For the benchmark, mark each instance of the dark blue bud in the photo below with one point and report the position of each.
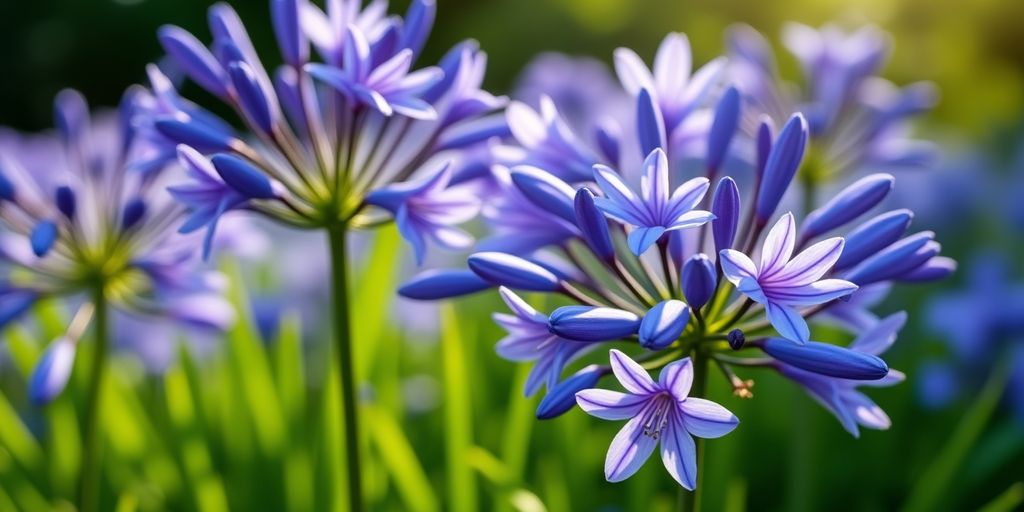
(935, 269)
(873, 236)
(649, 123)
(71, 115)
(853, 201)
(43, 236)
(699, 280)
(14, 303)
(6, 187)
(826, 359)
(259, 105)
(240, 175)
(227, 52)
(895, 260)
(594, 225)
(608, 135)
(723, 127)
(65, 199)
(200, 136)
(194, 59)
(50, 376)
(781, 166)
(126, 110)
(663, 324)
(736, 339)
(562, 397)
(286, 86)
(765, 135)
(726, 207)
(419, 19)
(285, 17)
(545, 191)
(502, 269)
(591, 323)
(133, 212)
(437, 284)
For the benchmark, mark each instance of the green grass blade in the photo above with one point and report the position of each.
(1011, 499)
(398, 456)
(207, 492)
(373, 290)
(936, 481)
(462, 492)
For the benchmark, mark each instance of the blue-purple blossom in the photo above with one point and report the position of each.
(657, 209)
(659, 411)
(783, 282)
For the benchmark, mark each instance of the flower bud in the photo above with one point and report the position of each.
(781, 166)
(726, 207)
(873, 236)
(723, 127)
(442, 284)
(593, 225)
(6, 188)
(939, 267)
(826, 359)
(562, 397)
(503, 269)
(243, 177)
(699, 280)
(258, 105)
(50, 376)
(201, 136)
(133, 212)
(545, 191)
(43, 236)
(852, 202)
(285, 17)
(895, 260)
(65, 199)
(736, 339)
(590, 323)
(194, 59)
(608, 141)
(663, 324)
(765, 135)
(649, 124)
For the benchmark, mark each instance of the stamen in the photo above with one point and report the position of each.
(658, 416)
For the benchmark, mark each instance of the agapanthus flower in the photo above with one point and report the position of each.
(857, 120)
(597, 204)
(353, 137)
(87, 217)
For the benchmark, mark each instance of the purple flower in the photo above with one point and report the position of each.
(657, 411)
(529, 339)
(842, 397)
(782, 282)
(676, 92)
(654, 212)
(429, 209)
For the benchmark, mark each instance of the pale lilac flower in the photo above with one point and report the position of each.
(657, 411)
(782, 282)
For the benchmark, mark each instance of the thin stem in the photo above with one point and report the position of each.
(89, 479)
(343, 352)
(689, 501)
(667, 269)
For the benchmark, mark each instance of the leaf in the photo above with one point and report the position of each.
(462, 492)
(1008, 501)
(398, 456)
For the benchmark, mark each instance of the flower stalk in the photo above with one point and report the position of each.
(92, 442)
(343, 352)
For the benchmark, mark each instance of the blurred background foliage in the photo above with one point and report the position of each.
(251, 427)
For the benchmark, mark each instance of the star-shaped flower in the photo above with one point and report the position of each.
(429, 208)
(656, 411)
(654, 212)
(529, 339)
(782, 282)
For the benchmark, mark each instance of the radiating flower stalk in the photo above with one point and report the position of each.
(87, 217)
(348, 142)
(694, 275)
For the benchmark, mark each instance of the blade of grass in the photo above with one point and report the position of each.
(193, 456)
(1008, 501)
(24, 451)
(462, 492)
(936, 481)
(398, 455)
(18, 487)
(374, 289)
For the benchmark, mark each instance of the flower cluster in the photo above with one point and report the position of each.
(87, 213)
(328, 139)
(692, 270)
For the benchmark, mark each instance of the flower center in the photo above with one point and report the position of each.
(657, 415)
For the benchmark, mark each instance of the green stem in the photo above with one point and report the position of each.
(343, 352)
(89, 479)
(689, 501)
